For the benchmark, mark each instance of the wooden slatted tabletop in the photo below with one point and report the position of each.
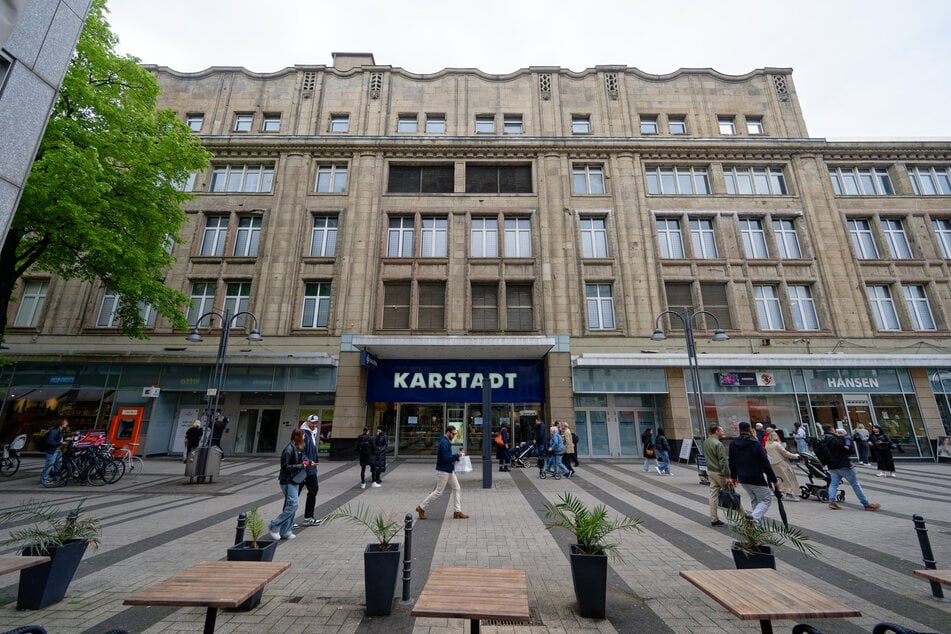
(13, 563)
(475, 593)
(764, 594)
(941, 576)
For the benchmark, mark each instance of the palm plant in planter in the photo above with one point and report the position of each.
(255, 549)
(381, 560)
(61, 536)
(589, 554)
(754, 540)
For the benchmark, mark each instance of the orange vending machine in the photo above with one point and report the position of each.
(125, 426)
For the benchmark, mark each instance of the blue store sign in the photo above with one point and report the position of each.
(456, 381)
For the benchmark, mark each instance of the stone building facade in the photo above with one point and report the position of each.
(403, 240)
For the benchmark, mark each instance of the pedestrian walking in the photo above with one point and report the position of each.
(556, 452)
(800, 436)
(647, 449)
(502, 453)
(882, 444)
(53, 447)
(365, 451)
(860, 436)
(193, 437)
(566, 437)
(445, 467)
(779, 459)
(218, 430)
(540, 441)
(750, 467)
(378, 457)
(835, 455)
(662, 453)
(291, 476)
(718, 469)
(311, 439)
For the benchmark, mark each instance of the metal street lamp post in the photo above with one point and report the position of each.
(686, 318)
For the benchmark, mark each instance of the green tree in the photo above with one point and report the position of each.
(101, 202)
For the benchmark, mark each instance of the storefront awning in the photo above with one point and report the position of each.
(421, 347)
(654, 360)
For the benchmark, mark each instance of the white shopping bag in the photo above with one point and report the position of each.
(464, 465)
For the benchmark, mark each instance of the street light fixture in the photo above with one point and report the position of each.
(686, 317)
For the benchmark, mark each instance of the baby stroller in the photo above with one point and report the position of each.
(521, 454)
(819, 479)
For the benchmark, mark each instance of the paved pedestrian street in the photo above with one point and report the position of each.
(157, 525)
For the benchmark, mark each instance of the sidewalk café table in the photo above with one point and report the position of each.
(14, 563)
(936, 576)
(764, 594)
(211, 584)
(474, 594)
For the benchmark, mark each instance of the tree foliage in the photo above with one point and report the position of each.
(101, 202)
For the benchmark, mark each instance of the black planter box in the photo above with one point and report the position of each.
(46, 584)
(380, 571)
(763, 557)
(590, 576)
(243, 552)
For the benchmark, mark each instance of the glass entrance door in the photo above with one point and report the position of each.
(256, 431)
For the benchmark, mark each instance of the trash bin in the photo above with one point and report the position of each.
(202, 463)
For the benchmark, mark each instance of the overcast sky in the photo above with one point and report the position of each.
(862, 68)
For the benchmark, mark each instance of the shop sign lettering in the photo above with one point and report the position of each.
(452, 380)
(839, 382)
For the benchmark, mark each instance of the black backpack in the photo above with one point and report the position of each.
(827, 454)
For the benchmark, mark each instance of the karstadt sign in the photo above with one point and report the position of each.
(456, 381)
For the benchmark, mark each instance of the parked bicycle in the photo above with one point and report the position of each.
(87, 465)
(11, 456)
(132, 464)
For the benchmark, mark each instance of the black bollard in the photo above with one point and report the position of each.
(407, 558)
(927, 555)
(239, 530)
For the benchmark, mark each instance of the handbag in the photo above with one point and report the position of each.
(728, 499)
(464, 465)
(299, 476)
(649, 452)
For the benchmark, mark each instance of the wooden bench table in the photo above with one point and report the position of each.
(764, 594)
(14, 563)
(474, 594)
(942, 577)
(211, 584)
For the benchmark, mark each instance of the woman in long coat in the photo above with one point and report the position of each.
(378, 459)
(779, 460)
(882, 444)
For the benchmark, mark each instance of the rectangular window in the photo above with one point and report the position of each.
(316, 310)
(679, 297)
(768, 309)
(194, 121)
(754, 125)
(431, 308)
(434, 238)
(862, 239)
(436, 123)
(243, 121)
(406, 124)
(918, 307)
(340, 123)
(942, 230)
(396, 301)
(677, 180)
(519, 312)
(421, 179)
(670, 238)
(600, 305)
(702, 238)
(188, 185)
(399, 238)
(930, 181)
(518, 238)
(512, 124)
(803, 308)
(580, 124)
(485, 124)
(754, 238)
(855, 181)
(323, 237)
(677, 124)
(485, 307)
(587, 179)
(787, 240)
(896, 239)
(594, 238)
(203, 301)
(883, 307)
(498, 179)
(108, 310)
(761, 181)
(214, 236)
(331, 179)
(727, 125)
(714, 298)
(271, 123)
(248, 236)
(237, 299)
(31, 303)
(485, 238)
(242, 178)
(649, 124)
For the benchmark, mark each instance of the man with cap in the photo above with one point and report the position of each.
(311, 438)
(749, 465)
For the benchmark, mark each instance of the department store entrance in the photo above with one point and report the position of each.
(611, 425)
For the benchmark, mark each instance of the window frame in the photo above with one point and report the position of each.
(519, 316)
(482, 226)
(896, 238)
(581, 124)
(855, 181)
(754, 238)
(588, 175)
(785, 236)
(429, 314)
(599, 307)
(238, 299)
(512, 124)
(393, 298)
(677, 125)
(243, 122)
(214, 236)
(942, 230)
(517, 236)
(331, 173)
(772, 178)
(919, 308)
(339, 123)
(192, 118)
(31, 304)
(938, 177)
(247, 236)
(434, 122)
(754, 125)
(407, 123)
(883, 307)
(401, 236)
(727, 125)
(485, 303)
(670, 238)
(593, 231)
(769, 309)
(649, 124)
(316, 304)
(863, 239)
(225, 174)
(268, 122)
(802, 304)
(485, 124)
(703, 238)
(434, 230)
(201, 302)
(658, 177)
(327, 233)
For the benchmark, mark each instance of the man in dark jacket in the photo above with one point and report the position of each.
(750, 466)
(445, 467)
(836, 453)
(311, 438)
(53, 442)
